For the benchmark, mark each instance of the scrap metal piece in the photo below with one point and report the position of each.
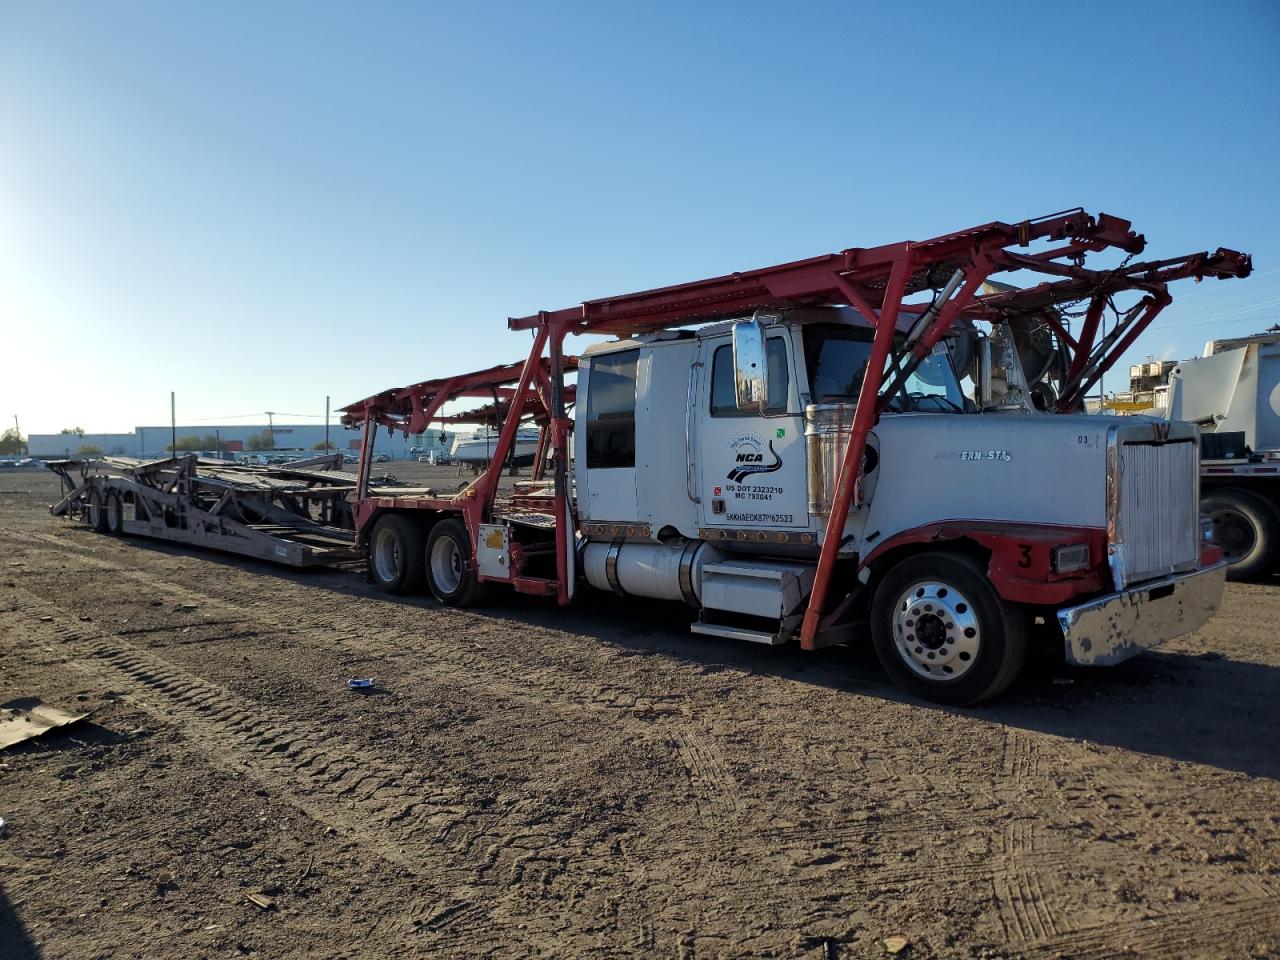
(30, 717)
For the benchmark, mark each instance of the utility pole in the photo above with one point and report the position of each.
(326, 425)
(173, 424)
(22, 448)
(271, 428)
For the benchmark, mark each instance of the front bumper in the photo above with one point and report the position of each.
(1121, 625)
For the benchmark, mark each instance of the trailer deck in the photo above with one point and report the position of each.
(295, 514)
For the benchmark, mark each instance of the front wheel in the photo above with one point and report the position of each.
(450, 573)
(942, 632)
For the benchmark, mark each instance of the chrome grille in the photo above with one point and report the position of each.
(1156, 527)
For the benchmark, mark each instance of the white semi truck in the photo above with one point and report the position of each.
(1232, 393)
(972, 520)
(789, 451)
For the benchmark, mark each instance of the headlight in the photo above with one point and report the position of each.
(1069, 558)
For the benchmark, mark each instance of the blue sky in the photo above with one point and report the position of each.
(257, 204)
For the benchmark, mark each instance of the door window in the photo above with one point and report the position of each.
(723, 399)
(611, 411)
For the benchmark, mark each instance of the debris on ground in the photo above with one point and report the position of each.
(895, 945)
(30, 717)
(261, 900)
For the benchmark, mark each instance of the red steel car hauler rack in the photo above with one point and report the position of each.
(875, 281)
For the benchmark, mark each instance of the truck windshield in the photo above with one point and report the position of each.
(836, 360)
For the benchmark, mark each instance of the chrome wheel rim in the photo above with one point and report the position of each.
(446, 565)
(386, 556)
(936, 631)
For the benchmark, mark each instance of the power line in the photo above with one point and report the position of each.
(1255, 276)
(246, 416)
(1262, 319)
(1195, 321)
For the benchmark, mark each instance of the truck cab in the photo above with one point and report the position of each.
(970, 523)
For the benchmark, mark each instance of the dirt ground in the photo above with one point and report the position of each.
(531, 781)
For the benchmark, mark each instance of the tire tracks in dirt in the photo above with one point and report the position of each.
(642, 716)
(379, 806)
(1022, 869)
(1023, 912)
(1202, 931)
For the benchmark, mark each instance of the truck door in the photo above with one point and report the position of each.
(610, 438)
(751, 468)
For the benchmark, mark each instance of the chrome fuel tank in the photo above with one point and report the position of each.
(826, 434)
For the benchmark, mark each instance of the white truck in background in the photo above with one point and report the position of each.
(1233, 393)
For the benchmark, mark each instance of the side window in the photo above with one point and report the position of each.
(723, 401)
(611, 411)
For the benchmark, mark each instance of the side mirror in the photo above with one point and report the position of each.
(750, 370)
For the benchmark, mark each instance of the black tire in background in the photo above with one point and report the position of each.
(395, 554)
(942, 632)
(1246, 527)
(448, 560)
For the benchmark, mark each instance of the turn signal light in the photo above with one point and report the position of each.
(1070, 558)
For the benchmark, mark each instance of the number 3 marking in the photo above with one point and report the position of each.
(1024, 558)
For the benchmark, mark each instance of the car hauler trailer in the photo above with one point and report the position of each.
(788, 451)
(296, 514)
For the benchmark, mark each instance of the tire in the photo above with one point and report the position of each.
(95, 514)
(113, 512)
(1245, 527)
(396, 554)
(976, 643)
(448, 557)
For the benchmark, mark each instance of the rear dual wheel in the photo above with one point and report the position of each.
(95, 510)
(942, 632)
(450, 574)
(113, 513)
(395, 554)
(400, 561)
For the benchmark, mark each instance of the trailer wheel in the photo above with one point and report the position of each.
(1245, 527)
(114, 513)
(395, 554)
(942, 632)
(448, 554)
(95, 514)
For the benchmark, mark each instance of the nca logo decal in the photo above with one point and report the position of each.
(751, 455)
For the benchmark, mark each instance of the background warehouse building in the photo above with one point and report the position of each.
(153, 442)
